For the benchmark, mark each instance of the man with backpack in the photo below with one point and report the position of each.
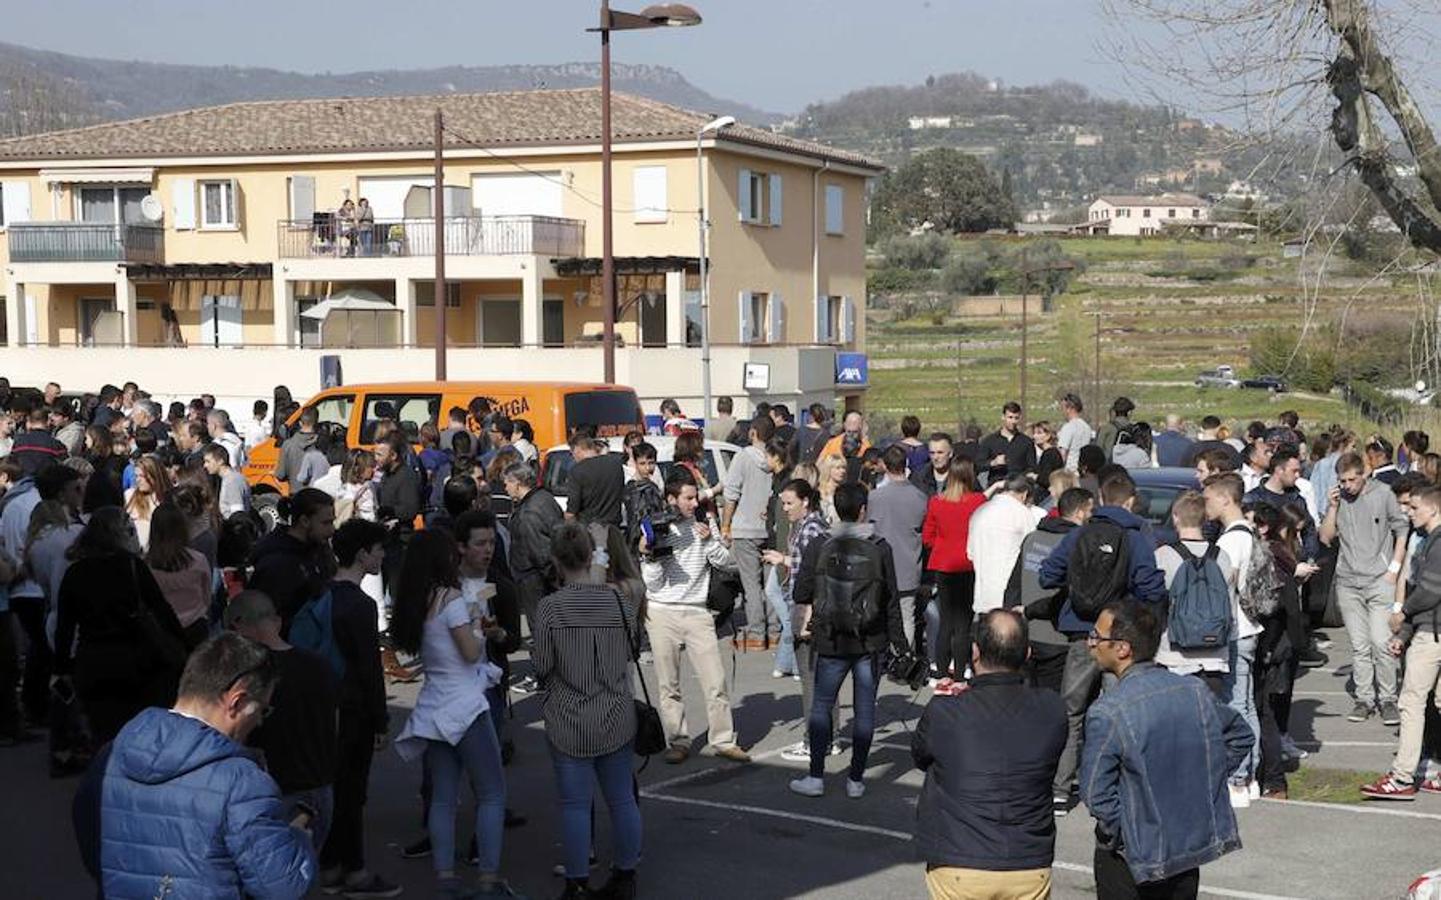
(1199, 579)
(1041, 606)
(848, 585)
(1110, 558)
(1255, 593)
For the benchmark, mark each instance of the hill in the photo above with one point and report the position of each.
(41, 90)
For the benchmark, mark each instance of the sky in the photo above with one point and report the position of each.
(778, 55)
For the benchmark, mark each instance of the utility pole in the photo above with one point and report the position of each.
(440, 287)
(1098, 356)
(1025, 289)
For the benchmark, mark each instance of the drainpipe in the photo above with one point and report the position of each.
(815, 240)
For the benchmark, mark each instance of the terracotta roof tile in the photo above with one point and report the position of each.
(360, 124)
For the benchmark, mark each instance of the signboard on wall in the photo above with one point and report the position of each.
(852, 369)
(757, 377)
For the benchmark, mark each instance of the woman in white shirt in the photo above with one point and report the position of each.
(450, 725)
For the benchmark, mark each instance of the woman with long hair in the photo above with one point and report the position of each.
(831, 472)
(104, 486)
(184, 575)
(450, 725)
(689, 453)
(945, 531)
(117, 641)
(1048, 456)
(152, 486)
(500, 503)
(352, 486)
(585, 636)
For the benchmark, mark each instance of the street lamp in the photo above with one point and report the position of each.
(713, 125)
(1062, 266)
(661, 15)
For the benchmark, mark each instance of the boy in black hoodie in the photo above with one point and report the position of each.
(1042, 606)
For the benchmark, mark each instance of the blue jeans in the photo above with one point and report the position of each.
(575, 779)
(320, 799)
(786, 650)
(478, 755)
(1241, 696)
(830, 672)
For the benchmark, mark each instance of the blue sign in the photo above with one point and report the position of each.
(852, 369)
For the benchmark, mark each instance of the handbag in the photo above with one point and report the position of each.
(170, 647)
(649, 732)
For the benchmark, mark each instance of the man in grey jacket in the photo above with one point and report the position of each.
(898, 509)
(747, 485)
(1365, 518)
(292, 452)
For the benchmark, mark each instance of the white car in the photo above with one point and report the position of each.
(718, 458)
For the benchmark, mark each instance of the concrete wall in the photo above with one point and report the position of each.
(996, 305)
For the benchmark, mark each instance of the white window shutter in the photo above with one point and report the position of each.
(745, 320)
(744, 195)
(823, 308)
(302, 198)
(236, 203)
(17, 202)
(848, 314)
(649, 183)
(777, 312)
(182, 196)
(776, 192)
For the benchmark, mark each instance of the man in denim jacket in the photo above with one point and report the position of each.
(1153, 772)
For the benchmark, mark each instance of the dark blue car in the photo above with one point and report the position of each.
(1156, 491)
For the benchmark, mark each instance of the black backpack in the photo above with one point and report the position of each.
(850, 587)
(1098, 570)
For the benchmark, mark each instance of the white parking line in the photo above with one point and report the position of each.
(1324, 744)
(904, 836)
(1369, 809)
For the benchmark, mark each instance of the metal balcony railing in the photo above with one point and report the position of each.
(464, 236)
(85, 242)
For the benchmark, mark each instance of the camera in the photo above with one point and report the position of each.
(656, 528)
(905, 668)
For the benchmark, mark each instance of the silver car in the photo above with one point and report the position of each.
(1219, 377)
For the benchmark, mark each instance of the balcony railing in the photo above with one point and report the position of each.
(85, 242)
(464, 236)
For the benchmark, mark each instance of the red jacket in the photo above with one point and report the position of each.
(948, 523)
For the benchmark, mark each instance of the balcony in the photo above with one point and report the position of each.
(86, 242)
(464, 236)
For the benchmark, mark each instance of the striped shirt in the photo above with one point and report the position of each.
(582, 658)
(814, 525)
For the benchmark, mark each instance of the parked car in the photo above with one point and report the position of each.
(1273, 383)
(1156, 493)
(556, 475)
(1219, 377)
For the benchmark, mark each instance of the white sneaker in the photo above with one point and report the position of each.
(809, 786)
(1240, 796)
(855, 789)
(836, 748)
(797, 752)
(1254, 790)
(1290, 750)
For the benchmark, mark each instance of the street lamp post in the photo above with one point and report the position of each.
(661, 15)
(1026, 274)
(704, 219)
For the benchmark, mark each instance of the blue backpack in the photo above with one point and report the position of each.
(312, 629)
(1200, 616)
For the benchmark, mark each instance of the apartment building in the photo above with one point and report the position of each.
(233, 240)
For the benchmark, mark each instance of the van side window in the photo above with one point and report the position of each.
(410, 410)
(336, 409)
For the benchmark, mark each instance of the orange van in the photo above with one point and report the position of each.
(551, 408)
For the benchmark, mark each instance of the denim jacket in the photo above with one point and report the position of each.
(1153, 772)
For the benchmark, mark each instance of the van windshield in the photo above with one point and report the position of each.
(613, 413)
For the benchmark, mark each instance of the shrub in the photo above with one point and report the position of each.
(917, 252)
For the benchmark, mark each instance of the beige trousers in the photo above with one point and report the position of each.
(1423, 665)
(669, 628)
(956, 883)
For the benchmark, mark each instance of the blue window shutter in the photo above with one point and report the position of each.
(745, 314)
(744, 196)
(776, 193)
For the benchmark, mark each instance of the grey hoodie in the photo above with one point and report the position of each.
(748, 485)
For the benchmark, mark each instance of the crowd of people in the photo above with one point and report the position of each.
(222, 690)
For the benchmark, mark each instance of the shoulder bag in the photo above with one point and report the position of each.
(649, 732)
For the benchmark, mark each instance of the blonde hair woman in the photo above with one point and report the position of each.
(831, 472)
(152, 487)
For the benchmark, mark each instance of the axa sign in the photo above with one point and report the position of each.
(852, 369)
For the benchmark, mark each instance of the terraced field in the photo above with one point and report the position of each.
(1156, 333)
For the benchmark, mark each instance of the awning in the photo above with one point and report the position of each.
(141, 176)
(627, 265)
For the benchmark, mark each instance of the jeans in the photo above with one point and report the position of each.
(355, 749)
(1114, 881)
(956, 597)
(1046, 667)
(747, 553)
(35, 690)
(575, 779)
(806, 662)
(781, 604)
(830, 672)
(478, 756)
(1081, 681)
(319, 799)
(1241, 696)
(932, 631)
(1366, 611)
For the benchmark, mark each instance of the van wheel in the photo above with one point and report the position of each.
(267, 506)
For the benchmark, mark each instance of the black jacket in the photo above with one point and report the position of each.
(353, 621)
(532, 522)
(398, 497)
(289, 572)
(989, 754)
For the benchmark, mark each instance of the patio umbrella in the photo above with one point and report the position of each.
(354, 299)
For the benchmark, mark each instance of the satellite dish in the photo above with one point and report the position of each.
(151, 208)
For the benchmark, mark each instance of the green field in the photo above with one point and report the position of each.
(1166, 310)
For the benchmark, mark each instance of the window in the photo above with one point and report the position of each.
(1145, 214)
(111, 204)
(1170, 214)
(835, 209)
(500, 323)
(650, 316)
(425, 294)
(693, 321)
(830, 319)
(761, 318)
(649, 183)
(1195, 214)
(410, 410)
(335, 410)
(307, 330)
(612, 412)
(217, 204)
(552, 323)
(759, 196)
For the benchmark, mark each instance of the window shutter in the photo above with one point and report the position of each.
(835, 209)
(650, 193)
(745, 320)
(237, 203)
(302, 198)
(823, 328)
(775, 186)
(777, 311)
(182, 196)
(16, 199)
(848, 314)
(744, 195)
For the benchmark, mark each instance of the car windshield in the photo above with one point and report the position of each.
(613, 413)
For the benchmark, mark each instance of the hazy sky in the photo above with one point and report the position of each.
(775, 54)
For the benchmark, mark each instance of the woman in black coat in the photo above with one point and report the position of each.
(118, 645)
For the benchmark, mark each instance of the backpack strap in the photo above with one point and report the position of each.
(1182, 550)
(1213, 553)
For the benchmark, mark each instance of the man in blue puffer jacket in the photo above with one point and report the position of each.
(185, 810)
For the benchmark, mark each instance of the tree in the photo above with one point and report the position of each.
(944, 189)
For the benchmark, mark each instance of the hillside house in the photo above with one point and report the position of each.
(1142, 216)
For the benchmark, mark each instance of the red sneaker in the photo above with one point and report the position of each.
(1431, 785)
(949, 687)
(1388, 788)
